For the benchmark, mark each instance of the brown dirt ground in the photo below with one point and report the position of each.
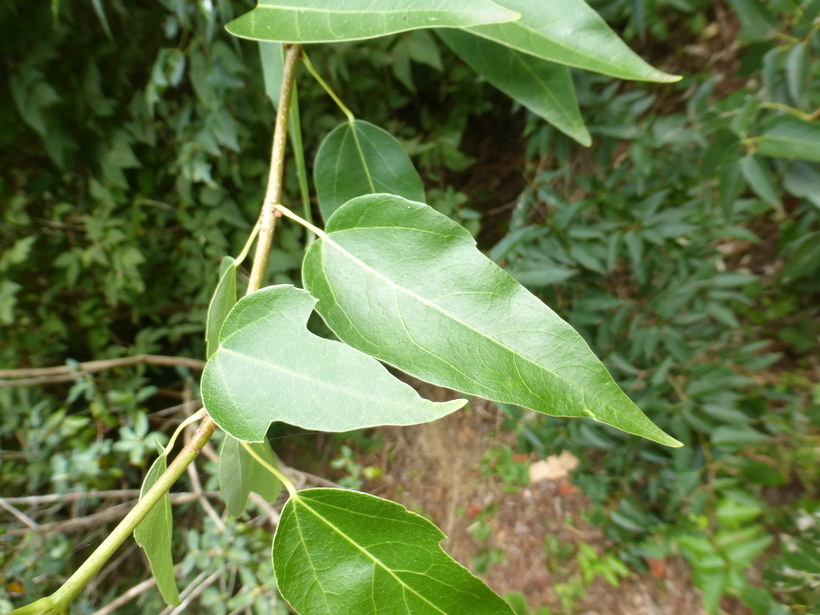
(434, 469)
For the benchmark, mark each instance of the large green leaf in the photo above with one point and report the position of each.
(570, 32)
(545, 88)
(269, 367)
(341, 551)
(240, 473)
(790, 137)
(222, 301)
(360, 158)
(404, 283)
(153, 534)
(328, 21)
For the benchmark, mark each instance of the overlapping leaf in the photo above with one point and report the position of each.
(359, 158)
(570, 32)
(153, 534)
(545, 88)
(405, 284)
(222, 301)
(269, 367)
(240, 473)
(328, 21)
(347, 552)
(790, 137)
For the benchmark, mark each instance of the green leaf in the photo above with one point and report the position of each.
(360, 158)
(329, 21)
(269, 367)
(570, 32)
(543, 87)
(153, 534)
(341, 551)
(406, 284)
(791, 138)
(240, 473)
(760, 179)
(796, 61)
(222, 301)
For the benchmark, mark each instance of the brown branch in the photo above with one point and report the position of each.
(103, 516)
(67, 373)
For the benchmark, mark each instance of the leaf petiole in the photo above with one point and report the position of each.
(282, 478)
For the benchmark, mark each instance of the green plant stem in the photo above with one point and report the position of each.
(281, 477)
(58, 603)
(273, 196)
(309, 65)
(289, 214)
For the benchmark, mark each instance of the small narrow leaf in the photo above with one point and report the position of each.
(153, 534)
(360, 158)
(341, 551)
(329, 21)
(269, 367)
(760, 179)
(570, 32)
(791, 138)
(543, 87)
(240, 473)
(406, 284)
(222, 301)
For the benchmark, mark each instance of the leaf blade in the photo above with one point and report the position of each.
(791, 138)
(405, 284)
(360, 158)
(269, 367)
(572, 33)
(324, 21)
(377, 552)
(154, 535)
(543, 87)
(240, 473)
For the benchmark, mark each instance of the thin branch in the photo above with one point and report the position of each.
(103, 516)
(273, 196)
(68, 373)
(71, 496)
(127, 597)
(193, 594)
(21, 516)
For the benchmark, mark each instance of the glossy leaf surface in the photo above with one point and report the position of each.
(570, 32)
(545, 88)
(792, 138)
(328, 21)
(360, 158)
(269, 367)
(240, 473)
(406, 284)
(153, 534)
(222, 301)
(341, 551)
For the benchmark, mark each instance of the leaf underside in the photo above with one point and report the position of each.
(360, 158)
(269, 367)
(407, 285)
(545, 88)
(329, 21)
(153, 534)
(240, 473)
(341, 551)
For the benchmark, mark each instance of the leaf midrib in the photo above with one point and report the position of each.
(457, 320)
(366, 553)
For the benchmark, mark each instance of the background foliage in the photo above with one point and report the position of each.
(683, 246)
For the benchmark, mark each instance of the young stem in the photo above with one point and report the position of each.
(273, 196)
(58, 603)
(72, 587)
(309, 65)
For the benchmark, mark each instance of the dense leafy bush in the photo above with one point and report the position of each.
(685, 246)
